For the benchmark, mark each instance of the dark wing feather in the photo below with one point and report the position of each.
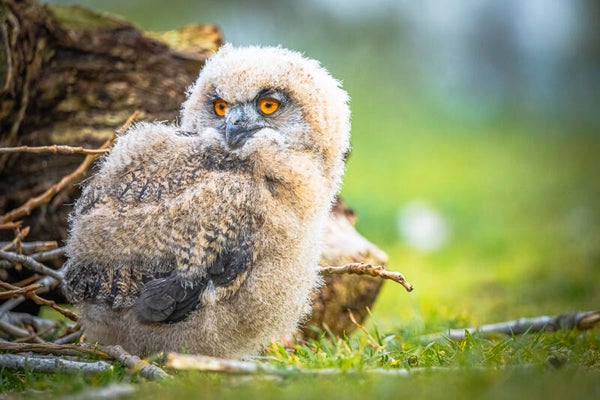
(166, 300)
(171, 299)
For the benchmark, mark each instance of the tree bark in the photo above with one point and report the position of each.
(70, 76)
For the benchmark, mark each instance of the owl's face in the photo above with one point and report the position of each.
(269, 96)
(270, 114)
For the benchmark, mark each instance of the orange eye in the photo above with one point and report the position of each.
(220, 107)
(268, 105)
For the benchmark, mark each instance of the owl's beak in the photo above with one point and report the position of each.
(238, 127)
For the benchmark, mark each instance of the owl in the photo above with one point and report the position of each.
(203, 235)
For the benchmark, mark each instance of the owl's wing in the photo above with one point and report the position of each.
(128, 253)
(171, 299)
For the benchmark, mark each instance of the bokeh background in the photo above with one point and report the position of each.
(476, 141)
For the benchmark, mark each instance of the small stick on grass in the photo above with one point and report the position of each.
(147, 370)
(368, 269)
(43, 364)
(52, 348)
(574, 320)
(214, 364)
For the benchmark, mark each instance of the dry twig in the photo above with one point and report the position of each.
(70, 337)
(147, 370)
(368, 269)
(365, 331)
(213, 364)
(56, 149)
(35, 363)
(10, 225)
(53, 348)
(30, 263)
(40, 301)
(46, 283)
(16, 291)
(574, 320)
(18, 332)
(16, 242)
(34, 247)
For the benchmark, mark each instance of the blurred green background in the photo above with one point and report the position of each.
(476, 141)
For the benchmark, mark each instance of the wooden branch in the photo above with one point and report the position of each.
(40, 301)
(19, 318)
(145, 369)
(43, 364)
(47, 283)
(218, 365)
(10, 225)
(53, 348)
(56, 149)
(16, 242)
(574, 320)
(34, 247)
(368, 269)
(213, 364)
(16, 331)
(42, 256)
(70, 337)
(31, 264)
(16, 291)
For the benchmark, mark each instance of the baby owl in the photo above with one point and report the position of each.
(203, 236)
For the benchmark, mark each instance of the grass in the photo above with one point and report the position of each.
(523, 209)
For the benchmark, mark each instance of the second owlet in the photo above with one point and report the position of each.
(204, 236)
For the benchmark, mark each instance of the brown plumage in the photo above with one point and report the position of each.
(204, 236)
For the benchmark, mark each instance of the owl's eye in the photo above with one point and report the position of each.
(220, 106)
(268, 105)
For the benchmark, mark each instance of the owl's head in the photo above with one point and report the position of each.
(272, 95)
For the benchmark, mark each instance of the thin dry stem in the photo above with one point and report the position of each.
(147, 370)
(47, 364)
(365, 331)
(41, 301)
(16, 242)
(18, 332)
(31, 264)
(581, 320)
(368, 269)
(52, 348)
(16, 291)
(56, 149)
(34, 247)
(10, 225)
